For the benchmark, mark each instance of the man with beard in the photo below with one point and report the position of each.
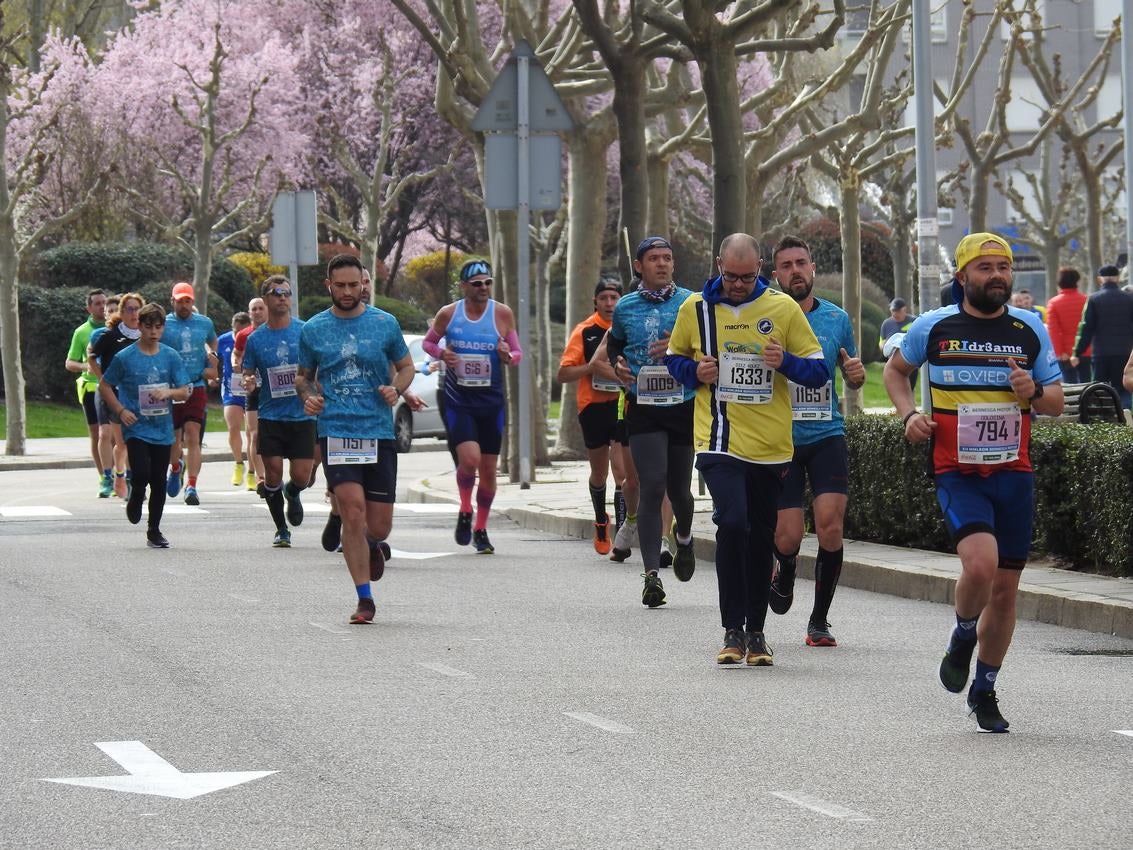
(820, 446)
(193, 337)
(990, 367)
(345, 355)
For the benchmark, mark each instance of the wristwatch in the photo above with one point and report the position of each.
(1038, 392)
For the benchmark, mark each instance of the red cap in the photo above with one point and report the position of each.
(184, 290)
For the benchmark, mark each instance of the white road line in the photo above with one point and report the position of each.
(425, 508)
(1128, 732)
(183, 509)
(823, 807)
(416, 556)
(28, 511)
(445, 670)
(601, 722)
(317, 508)
(242, 598)
(330, 629)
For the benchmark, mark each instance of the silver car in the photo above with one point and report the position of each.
(424, 423)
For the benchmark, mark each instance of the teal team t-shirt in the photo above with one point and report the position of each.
(274, 355)
(188, 337)
(352, 358)
(131, 373)
(831, 324)
(640, 322)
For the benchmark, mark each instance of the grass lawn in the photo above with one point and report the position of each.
(873, 393)
(47, 419)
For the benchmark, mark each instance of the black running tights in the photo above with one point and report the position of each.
(148, 466)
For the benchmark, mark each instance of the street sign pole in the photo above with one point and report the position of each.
(1127, 99)
(928, 244)
(523, 282)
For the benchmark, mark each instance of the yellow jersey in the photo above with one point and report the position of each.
(747, 412)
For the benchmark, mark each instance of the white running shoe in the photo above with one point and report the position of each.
(626, 538)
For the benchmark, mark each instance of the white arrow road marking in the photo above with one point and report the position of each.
(416, 556)
(823, 807)
(149, 773)
(26, 511)
(601, 722)
(445, 670)
(330, 629)
(1128, 732)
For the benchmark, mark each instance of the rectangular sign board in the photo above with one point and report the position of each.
(294, 229)
(501, 190)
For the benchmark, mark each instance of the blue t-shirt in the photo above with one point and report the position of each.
(188, 337)
(639, 323)
(831, 324)
(274, 355)
(352, 358)
(129, 371)
(224, 345)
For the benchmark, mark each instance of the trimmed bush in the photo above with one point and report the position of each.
(1083, 491)
(412, 320)
(426, 280)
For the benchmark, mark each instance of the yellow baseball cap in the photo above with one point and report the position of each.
(975, 245)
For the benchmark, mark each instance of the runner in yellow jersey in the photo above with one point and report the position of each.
(738, 342)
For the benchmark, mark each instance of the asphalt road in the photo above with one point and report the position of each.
(524, 699)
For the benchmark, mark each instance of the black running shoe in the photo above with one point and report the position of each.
(653, 592)
(156, 540)
(386, 553)
(782, 592)
(955, 665)
(377, 561)
(332, 533)
(666, 559)
(482, 543)
(684, 562)
(294, 508)
(985, 706)
(364, 614)
(463, 535)
(134, 511)
(818, 634)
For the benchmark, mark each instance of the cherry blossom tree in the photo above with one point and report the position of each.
(206, 101)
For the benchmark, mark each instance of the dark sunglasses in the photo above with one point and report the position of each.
(280, 291)
(479, 283)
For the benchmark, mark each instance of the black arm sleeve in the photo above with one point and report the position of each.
(614, 348)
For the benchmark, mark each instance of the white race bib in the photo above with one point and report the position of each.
(657, 387)
(809, 405)
(988, 433)
(342, 450)
(474, 370)
(281, 380)
(236, 385)
(601, 385)
(744, 378)
(149, 404)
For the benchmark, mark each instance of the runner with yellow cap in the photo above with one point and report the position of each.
(990, 366)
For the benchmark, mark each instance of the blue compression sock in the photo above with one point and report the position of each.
(364, 591)
(965, 631)
(985, 677)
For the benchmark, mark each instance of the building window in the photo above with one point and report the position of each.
(1105, 11)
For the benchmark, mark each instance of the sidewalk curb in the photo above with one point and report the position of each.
(933, 584)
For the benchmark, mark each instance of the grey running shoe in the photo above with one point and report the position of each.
(282, 539)
(818, 634)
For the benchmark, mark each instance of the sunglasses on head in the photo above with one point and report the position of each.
(479, 283)
(280, 291)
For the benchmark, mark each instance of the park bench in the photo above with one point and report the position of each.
(1092, 401)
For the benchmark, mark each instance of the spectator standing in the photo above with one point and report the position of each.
(1107, 324)
(1063, 315)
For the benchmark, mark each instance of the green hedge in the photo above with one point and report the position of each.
(412, 320)
(1083, 492)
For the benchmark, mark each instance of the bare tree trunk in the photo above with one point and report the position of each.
(629, 110)
(14, 387)
(657, 218)
(1051, 254)
(977, 200)
(586, 222)
(1091, 191)
(202, 265)
(729, 177)
(851, 232)
(36, 30)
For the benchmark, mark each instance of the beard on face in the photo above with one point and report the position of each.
(345, 302)
(799, 295)
(984, 301)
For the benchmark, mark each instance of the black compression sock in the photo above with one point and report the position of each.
(827, 570)
(598, 498)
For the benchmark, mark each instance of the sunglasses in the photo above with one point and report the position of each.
(473, 269)
(282, 293)
(479, 283)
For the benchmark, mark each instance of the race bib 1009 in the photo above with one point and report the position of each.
(656, 386)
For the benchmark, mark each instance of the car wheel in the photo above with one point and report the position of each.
(403, 429)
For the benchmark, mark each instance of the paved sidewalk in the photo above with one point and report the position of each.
(557, 503)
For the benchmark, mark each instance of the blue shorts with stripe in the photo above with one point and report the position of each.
(1001, 504)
